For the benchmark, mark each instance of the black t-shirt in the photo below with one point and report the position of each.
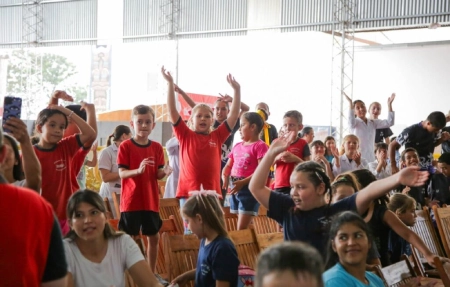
(446, 145)
(273, 134)
(439, 188)
(417, 137)
(380, 231)
(56, 266)
(228, 144)
(381, 134)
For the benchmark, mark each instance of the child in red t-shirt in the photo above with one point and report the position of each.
(200, 148)
(141, 164)
(56, 154)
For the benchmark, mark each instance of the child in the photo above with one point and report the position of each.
(217, 262)
(318, 155)
(409, 157)
(269, 133)
(350, 241)
(331, 152)
(343, 186)
(304, 215)
(297, 152)
(242, 162)
(107, 165)
(423, 137)
(404, 208)
(307, 134)
(350, 158)
(365, 128)
(97, 255)
(21, 171)
(380, 134)
(380, 168)
(141, 164)
(289, 264)
(56, 154)
(439, 187)
(200, 148)
(173, 153)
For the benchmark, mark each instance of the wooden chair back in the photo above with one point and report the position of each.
(168, 207)
(109, 214)
(425, 230)
(180, 253)
(162, 188)
(263, 224)
(442, 216)
(444, 271)
(114, 224)
(246, 246)
(168, 227)
(265, 240)
(116, 201)
(231, 219)
(398, 273)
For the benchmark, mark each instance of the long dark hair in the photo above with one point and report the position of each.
(94, 199)
(17, 169)
(339, 220)
(118, 132)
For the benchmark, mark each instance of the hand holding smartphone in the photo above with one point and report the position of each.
(12, 107)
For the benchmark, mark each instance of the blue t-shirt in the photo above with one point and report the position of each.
(397, 247)
(439, 188)
(217, 261)
(308, 226)
(337, 276)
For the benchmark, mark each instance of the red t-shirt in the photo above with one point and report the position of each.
(57, 172)
(200, 158)
(140, 192)
(284, 170)
(27, 220)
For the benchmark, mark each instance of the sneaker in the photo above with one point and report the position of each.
(162, 280)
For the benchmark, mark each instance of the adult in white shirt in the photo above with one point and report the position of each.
(96, 254)
(173, 152)
(380, 168)
(350, 158)
(107, 164)
(365, 128)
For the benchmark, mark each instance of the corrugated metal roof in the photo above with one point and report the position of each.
(11, 27)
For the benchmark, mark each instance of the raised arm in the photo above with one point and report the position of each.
(185, 96)
(30, 163)
(392, 148)
(56, 95)
(93, 162)
(410, 176)
(236, 103)
(390, 121)
(351, 112)
(91, 120)
(258, 181)
(171, 105)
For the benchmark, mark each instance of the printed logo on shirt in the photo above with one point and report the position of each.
(60, 165)
(212, 144)
(205, 269)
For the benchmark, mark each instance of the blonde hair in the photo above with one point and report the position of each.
(401, 202)
(194, 112)
(208, 207)
(347, 138)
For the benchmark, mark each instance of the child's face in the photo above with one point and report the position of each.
(408, 217)
(360, 110)
(288, 279)
(444, 168)
(351, 145)
(375, 110)
(318, 150)
(221, 111)
(342, 191)
(202, 120)
(431, 129)
(142, 125)
(247, 130)
(53, 129)
(305, 195)
(291, 125)
(262, 106)
(410, 158)
(381, 152)
(330, 144)
(10, 160)
(195, 225)
(351, 244)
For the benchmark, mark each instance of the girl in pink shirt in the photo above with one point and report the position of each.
(242, 162)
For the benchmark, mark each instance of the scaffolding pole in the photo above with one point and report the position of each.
(342, 65)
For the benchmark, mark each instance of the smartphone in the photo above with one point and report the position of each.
(12, 107)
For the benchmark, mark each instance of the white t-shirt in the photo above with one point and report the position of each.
(122, 253)
(108, 160)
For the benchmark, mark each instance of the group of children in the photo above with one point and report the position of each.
(310, 183)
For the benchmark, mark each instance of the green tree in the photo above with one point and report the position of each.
(34, 76)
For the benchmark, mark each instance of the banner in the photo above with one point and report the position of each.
(185, 109)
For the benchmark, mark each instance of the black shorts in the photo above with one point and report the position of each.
(132, 222)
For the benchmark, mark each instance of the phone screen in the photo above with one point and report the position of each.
(12, 107)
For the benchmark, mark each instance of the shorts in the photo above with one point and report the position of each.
(132, 222)
(243, 202)
(284, 190)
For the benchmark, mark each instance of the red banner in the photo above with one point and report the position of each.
(185, 110)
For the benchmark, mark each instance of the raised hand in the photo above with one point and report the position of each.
(178, 89)
(166, 75)
(282, 143)
(225, 98)
(18, 129)
(58, 94)
(167, 169)
(335, 152)
(233, 83)
(391, 99)
(87, 106)
(143, 164)
(357, 158)
(349, 100)
(412, 176)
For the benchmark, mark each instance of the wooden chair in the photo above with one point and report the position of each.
(169, 227)
(265, 240)
(116, 201)
(162, 188)
(246, 246)
(398, 273)
(231, 219)
(180, 253)
(264, 224)
(109, 214)
(114, 223)
(425, 230)
(442, 215)
(168, 207)
(443, 273)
